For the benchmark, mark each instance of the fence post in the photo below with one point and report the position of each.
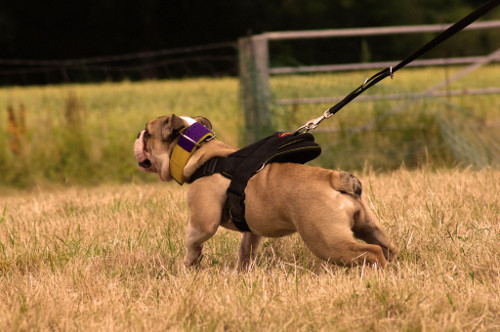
(254, 86)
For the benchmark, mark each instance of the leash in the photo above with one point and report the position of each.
(371, 81)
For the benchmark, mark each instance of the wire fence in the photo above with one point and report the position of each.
(272, 62)
(408, 121)
(213, 60)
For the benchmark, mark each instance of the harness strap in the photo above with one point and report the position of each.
(241, 165)
(220, 165)
(235, 201)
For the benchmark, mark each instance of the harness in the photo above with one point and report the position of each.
(298, 147)
(241, 165)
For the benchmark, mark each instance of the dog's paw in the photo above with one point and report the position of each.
(349, 184)
(192, 262)
(193, 257)
(391, 253)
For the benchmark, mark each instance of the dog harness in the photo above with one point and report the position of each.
(191, 139)
(241, 165)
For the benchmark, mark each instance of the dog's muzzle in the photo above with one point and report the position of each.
(143, 162)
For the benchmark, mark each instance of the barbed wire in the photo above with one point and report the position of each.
(115, 58)
(214, 59)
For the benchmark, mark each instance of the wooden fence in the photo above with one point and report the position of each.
(255, 70)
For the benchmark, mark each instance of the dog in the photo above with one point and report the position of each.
(326, 207)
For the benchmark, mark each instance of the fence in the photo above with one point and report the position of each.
(255, 70)
(438, 119)
(212, 60)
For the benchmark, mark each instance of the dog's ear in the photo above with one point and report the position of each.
(171, 127)
(204, 121)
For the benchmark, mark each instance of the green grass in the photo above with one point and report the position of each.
(444, 131)
(83, 134)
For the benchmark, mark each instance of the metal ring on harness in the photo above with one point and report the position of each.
(260, 168)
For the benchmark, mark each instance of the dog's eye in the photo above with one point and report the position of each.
(146, 134)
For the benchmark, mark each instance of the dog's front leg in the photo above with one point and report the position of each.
(205, 200)
(248, 249)
(194, 242)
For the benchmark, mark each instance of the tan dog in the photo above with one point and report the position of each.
(283, 198)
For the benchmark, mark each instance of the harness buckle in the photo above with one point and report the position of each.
(190, 139)
(208, 139)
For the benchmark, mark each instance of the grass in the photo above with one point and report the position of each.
(407, 81)
(445, 131)
(110, 258)
(83, 134)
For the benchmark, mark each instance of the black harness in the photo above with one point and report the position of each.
(300, 147)
(241, 165)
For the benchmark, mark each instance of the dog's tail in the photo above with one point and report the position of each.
(346, 183)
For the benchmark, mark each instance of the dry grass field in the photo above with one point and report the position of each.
(109, 258)
(88, 242)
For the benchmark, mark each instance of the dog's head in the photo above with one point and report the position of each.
(154, 145)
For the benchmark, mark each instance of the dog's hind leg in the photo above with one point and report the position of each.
(340, 247)
(368, 228)
(248, 249)
(331, 238)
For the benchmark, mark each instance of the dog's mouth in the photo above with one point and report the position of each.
(145, 164)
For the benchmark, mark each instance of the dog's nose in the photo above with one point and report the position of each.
(139, 135)
(145, 164)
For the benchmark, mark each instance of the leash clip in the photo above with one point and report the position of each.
(314, 123)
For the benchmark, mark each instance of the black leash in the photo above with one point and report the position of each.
(369, 82)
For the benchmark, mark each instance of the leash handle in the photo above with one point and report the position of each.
(369, 82)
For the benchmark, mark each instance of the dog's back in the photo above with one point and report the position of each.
(283, 195)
